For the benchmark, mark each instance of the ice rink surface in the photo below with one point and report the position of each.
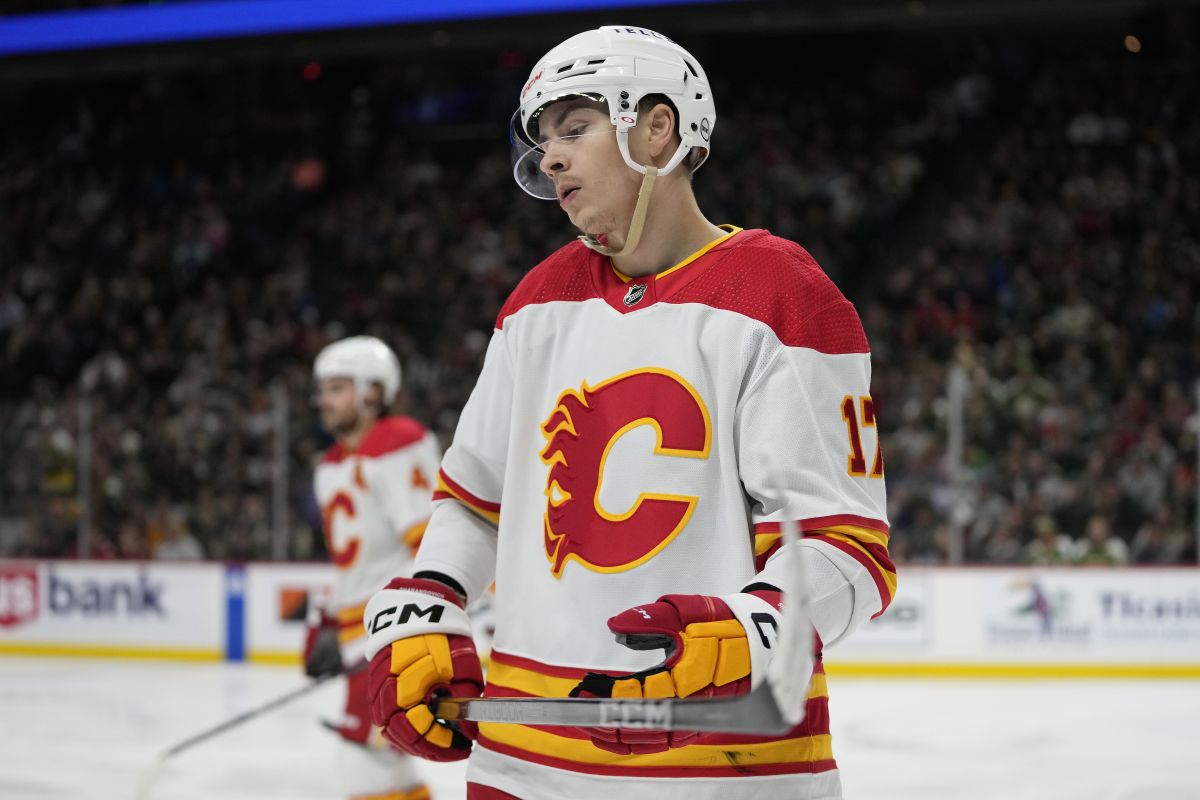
(84, 729)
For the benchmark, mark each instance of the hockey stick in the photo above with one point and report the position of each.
(756, 712)
(146, 783)
(774, 706)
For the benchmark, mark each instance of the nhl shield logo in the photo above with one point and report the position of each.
(634, 295)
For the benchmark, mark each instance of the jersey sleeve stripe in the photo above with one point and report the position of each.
(818, 523)
(869, 542)
(764, 542)
(765, 546)
(449, 489)
(875, 558)
(768, 536)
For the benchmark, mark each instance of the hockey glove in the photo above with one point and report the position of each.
(322, 654)
(715, 646)
(419, 647)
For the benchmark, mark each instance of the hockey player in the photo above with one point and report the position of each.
(617, 469)
(374, 487)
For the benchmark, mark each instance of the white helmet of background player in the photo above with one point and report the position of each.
(365, 360)
(619, 65)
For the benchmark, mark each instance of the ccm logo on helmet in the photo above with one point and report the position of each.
(410, 610)
(532, 81)
(643, 32)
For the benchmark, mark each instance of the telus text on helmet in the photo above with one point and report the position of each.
(643, 32)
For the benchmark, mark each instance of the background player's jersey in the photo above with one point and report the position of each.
(375, 503)
(628, 439)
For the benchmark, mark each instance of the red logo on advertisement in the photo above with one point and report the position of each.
(580, 432)
(18, 595)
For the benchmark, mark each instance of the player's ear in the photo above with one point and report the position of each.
(660, 125)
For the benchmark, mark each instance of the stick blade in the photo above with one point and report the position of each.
(794, 660)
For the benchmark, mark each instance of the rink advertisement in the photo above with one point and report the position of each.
(111, 608)
(278, 597)
(1010, 622)
(974, 621)
(1155, 614)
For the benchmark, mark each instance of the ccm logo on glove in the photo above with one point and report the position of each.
(432, 613)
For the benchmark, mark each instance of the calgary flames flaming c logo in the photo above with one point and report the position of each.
(580, 432)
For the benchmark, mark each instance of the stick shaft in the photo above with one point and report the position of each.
(754, 713)
(233, 722)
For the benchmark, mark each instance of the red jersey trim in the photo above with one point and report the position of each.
(751, 273)
(562, 276)
(816, 523)
(576, 673)
(386, 436)
(449, 489)
(730, 232)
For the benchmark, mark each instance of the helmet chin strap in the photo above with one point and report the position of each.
(649, 173)
(636, 224)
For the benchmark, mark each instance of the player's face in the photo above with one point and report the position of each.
(335, 399)
(594, 185)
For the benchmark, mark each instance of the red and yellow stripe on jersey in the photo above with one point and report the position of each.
(449, 489)
(350, 623)
(414, 793)
(804, 749)
(864, 540)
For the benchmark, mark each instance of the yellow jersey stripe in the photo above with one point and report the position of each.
(782, 751)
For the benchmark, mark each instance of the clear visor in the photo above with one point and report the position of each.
(527, 157)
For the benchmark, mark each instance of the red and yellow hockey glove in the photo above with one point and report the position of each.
(711, 651)
(419, 647)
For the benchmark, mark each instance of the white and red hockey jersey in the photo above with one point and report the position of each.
(375, 504)
(619, 446)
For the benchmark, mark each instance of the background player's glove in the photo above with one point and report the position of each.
(419, 647)
(322, 655)
(715, 646)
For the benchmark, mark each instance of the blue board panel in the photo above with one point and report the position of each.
(142, 25)
(235, 613)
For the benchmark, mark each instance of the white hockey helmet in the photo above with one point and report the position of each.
(363, 359)
(620, 65)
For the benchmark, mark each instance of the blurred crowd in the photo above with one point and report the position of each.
(1064, 289)
(175, 250)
